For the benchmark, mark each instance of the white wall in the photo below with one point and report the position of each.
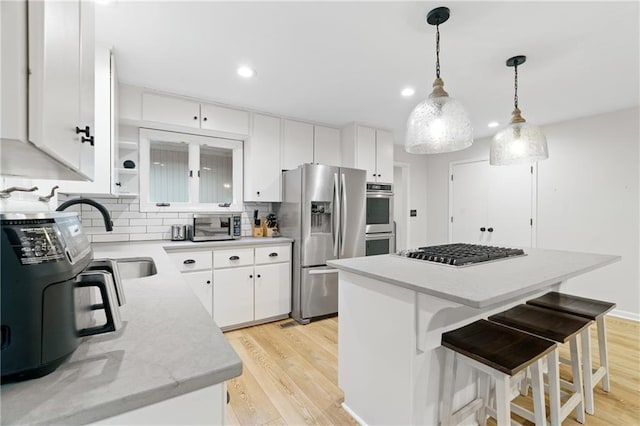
(588, 200)
(417, 232)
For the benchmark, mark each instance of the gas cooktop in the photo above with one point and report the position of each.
(461, 254)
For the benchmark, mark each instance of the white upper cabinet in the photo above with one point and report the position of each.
(60, 39)
(176, 111)
(262, 160)
(326, 146)
(222, 119)
(170, 110)
(369, 149)
(297, 144)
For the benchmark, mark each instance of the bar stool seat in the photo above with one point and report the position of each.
(562, 328)
(594, 310)
(499, 352)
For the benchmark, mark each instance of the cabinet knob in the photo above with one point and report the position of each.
(490, 229)
(273, 254)
(250, 276)
(189, 262)
(258, 192)
(208, 281)
(483, 229)
(258, 275)
(195, 117)
(234, 258)
(204, 119)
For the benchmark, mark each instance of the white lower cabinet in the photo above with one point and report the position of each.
(248, 294)
(239, 286)
(233, 296)
(200, 283)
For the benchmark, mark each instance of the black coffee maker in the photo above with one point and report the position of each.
(46, 292)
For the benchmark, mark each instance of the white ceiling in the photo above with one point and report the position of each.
(336, 62)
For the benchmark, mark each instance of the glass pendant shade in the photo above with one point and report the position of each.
(438, 124)
(518, 143)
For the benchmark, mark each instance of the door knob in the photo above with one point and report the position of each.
(490, 229)
(483, 229)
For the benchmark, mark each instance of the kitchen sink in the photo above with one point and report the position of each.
(136, 267)
(110, 266)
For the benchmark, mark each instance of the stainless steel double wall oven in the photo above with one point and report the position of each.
(380, 233)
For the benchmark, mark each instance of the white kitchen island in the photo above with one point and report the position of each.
(393, 311)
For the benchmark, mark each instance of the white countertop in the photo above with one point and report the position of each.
(482, 284)
(168, 346)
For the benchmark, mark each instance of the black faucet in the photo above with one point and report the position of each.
(108, 225)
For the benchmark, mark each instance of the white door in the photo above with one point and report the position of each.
(200, 283)
(384, 156)
(262, 160)
(233, 296)
(272, 290)
(366, 151)
(298, 144)
(491, 205)
(326, 146)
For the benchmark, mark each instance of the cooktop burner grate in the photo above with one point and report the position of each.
(460, 254)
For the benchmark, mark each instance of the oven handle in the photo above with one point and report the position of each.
(323, 271)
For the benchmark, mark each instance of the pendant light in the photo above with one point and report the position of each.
(439, 123)
(519, 142)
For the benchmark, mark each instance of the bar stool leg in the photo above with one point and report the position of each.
(503, 399)
(576, 363)
(553, 365)
(602, 346)
(537, 385)
(587, 372)
(484, 388)
(447, 387)
(524, 384)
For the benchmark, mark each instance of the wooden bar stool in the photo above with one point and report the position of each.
(562, 328)
(594, 310)
(497, 352)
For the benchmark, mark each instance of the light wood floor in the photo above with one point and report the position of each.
(290, 376)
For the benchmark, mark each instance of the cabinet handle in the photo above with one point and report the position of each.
(163, 204)
(483, 229)
(89, 139)
(490, 229)
(234, 258)
(189, 262)
(273, 254)
(259, 275)
(208, 281)
(118, 183)
(86, 131)
(204, 119)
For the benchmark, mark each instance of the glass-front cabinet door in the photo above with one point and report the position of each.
(184, 172)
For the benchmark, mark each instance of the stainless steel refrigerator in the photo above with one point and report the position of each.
(323, 210)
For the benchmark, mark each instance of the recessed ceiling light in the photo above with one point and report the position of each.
(408, 91)
(493, 124)
(246, 72)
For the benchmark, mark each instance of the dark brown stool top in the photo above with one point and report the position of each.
(502, 348)
(547, 323)
(581, 306)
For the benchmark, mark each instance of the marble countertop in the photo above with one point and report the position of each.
(244, 241)
(168, 345)
(480, 285)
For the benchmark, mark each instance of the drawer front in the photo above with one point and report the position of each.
(273, 254)
(232, 257)
(192, 260)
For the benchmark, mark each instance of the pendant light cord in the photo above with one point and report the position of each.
(515, 96)
(438, 51)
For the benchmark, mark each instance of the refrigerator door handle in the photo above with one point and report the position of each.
(343, 217)
(335, 228)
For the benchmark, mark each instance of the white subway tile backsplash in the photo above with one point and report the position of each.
(129, 224)
(109, 238)
(159, 228)
(146, 237)
(136, 222)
